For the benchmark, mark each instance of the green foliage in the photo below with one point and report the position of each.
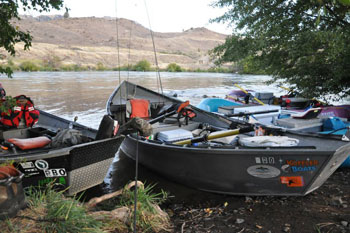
(51, 63)
(142, 65)
(73, 67)
(29, 66)
(304, 43)
(147, 216)
(100, 67)
(249, 66)
(10, 34)
(173, 67)
(60, 214)
(218, 69)
(7, 104)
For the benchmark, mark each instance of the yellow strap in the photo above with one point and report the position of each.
(212, 136)
(256, 99)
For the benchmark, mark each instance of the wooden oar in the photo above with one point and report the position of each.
(214, 136)
(256, 99)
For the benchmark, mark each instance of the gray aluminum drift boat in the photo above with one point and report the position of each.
(76, 167)
(228, 168)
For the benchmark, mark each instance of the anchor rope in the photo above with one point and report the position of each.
(118, 54)
(159, 81)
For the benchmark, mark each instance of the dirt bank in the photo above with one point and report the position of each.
(325, 210)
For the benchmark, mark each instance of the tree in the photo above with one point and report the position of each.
(143, 65)
(303, 43)
(10, 34)
(173, 67)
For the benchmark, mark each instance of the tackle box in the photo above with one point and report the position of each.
(174, 135)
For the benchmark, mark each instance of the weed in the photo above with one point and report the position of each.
(149, 217)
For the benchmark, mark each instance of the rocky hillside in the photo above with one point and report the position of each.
(89, 41)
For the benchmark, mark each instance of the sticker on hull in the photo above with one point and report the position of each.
(263, 171)
(55, 172)
(292, 181)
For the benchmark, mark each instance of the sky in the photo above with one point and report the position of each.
(164, 15)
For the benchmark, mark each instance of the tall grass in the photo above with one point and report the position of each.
(61, 214)
(148, 215)
(50, 211)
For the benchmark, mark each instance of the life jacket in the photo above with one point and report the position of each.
(25, 108)
(138, 108)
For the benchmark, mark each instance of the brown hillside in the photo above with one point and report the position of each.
(88, 41)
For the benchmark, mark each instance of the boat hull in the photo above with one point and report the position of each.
(74, 168)
(284, 172)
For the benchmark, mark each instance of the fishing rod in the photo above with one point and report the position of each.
(250, 113)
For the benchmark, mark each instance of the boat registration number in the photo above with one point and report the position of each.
(55, 172)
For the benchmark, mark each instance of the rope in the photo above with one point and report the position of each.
(136, 177)
(118, 56)
(117, 28)
(159, 81)
(129, 53)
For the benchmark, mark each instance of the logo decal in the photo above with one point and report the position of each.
(27, 165)
(263, 171)
(302, 165)
(42, 164)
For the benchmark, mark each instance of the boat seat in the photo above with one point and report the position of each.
(106, 128)
(14, 133)
(30, 143)
(309, 114)
(158, 127)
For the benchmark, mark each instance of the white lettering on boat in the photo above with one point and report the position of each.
(55, 172)
(265, 160)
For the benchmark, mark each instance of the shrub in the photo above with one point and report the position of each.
(142, 65)
(173, 67)
(28, 66)
(100, 67)
(148, 218)
(51, 63)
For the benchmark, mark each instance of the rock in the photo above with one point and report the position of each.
(235, 211)
(286, 229)
(176, 207)
(345, 206)
(248, 199)
(344, 223)
(239, 220)
(336, 201)
(121, 213)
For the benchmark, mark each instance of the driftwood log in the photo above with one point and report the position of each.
(94, 201)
